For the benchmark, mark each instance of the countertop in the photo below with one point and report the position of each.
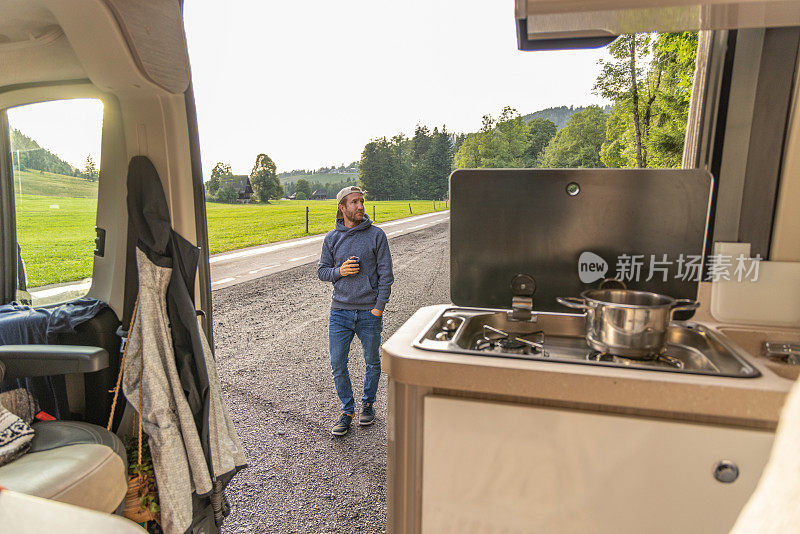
(745, 402)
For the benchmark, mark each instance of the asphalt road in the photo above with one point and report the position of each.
(230, 268)
(272, 352)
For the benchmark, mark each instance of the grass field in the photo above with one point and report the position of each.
(56, 235)
(238, 226)
(56, 230)
(55, 185)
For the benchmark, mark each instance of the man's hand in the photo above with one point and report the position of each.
(376, 312)
(349, 267)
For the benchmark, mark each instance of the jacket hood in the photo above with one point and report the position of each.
(366, 223)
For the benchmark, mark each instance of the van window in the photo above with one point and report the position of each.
(55, 153)
(642, 90)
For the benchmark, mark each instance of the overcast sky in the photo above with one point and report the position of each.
(310, 83)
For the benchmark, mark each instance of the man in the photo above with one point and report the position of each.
(356, 258)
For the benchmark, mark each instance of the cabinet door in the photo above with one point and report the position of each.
(493, 467)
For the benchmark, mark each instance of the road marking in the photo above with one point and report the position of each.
(418, 226)
(263, 250)
(409, 219)
(42, 293)
(301, 257)
(223, 281)
(254, 271)
(395, 232)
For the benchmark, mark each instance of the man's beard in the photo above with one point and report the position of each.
(354, 216)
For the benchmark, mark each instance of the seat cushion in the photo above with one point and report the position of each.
(23, 514)
(71, 462)
(53, 434)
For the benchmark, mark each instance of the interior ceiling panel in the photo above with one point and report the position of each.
(155, 36)
(23, 20)
(54, 40)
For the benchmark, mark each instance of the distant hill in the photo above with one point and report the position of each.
(33, 157)
(320, 178)
(53, 185)
(559, 115)
(329, 179)
(323, 175)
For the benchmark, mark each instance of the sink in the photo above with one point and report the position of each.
(559, 337)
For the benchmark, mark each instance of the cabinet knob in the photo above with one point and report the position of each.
(726, 471)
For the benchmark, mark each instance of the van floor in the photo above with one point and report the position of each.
(271, 337)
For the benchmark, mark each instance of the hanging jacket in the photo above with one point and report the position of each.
(195, 447)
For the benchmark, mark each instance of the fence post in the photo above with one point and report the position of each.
(434, 205)
(409, 209)
(373, 213)
(306, 219)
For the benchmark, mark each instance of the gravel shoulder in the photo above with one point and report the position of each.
(271, 337)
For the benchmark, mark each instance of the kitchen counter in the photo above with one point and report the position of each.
(420, 378)
(747, 402)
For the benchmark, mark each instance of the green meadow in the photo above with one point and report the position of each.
(233, 226)
(56, 218)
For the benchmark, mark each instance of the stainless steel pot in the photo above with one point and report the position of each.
(625, 322)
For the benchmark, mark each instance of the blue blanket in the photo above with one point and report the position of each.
(25, 325)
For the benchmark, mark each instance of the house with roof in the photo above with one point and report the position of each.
(319, 194)
(241, 183)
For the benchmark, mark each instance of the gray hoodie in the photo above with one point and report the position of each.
(368, 289)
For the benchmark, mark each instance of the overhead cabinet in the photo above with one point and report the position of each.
(550, 25)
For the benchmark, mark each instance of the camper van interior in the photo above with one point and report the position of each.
(535, 401)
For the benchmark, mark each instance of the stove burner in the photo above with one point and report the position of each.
(496, 340)
(662, 360)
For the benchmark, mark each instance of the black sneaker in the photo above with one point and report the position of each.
(342, 426)
(367, 416)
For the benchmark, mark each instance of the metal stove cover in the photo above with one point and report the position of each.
(504, 222)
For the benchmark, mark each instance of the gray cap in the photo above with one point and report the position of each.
(346, 191)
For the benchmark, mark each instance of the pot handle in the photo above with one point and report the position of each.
(684, 304)
(573, 302)
(612, 283)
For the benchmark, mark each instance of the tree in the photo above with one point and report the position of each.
(578, 143)
(89, 169)
(502, 143)
(420, 165)
(541, 132)
(650, 83)
(385, 168)
(399, 167)
(619, 149)
(301, 196)
(302, 186)
(440, 163)
(227, 193)
(220, 172)
(676, 54)
(264, 179)
(622, 79)
(371, 169)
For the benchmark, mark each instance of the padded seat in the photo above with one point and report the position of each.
(71, 462)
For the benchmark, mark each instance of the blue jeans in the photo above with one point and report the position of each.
(343, 325)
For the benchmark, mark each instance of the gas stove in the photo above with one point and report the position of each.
(559, 337)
